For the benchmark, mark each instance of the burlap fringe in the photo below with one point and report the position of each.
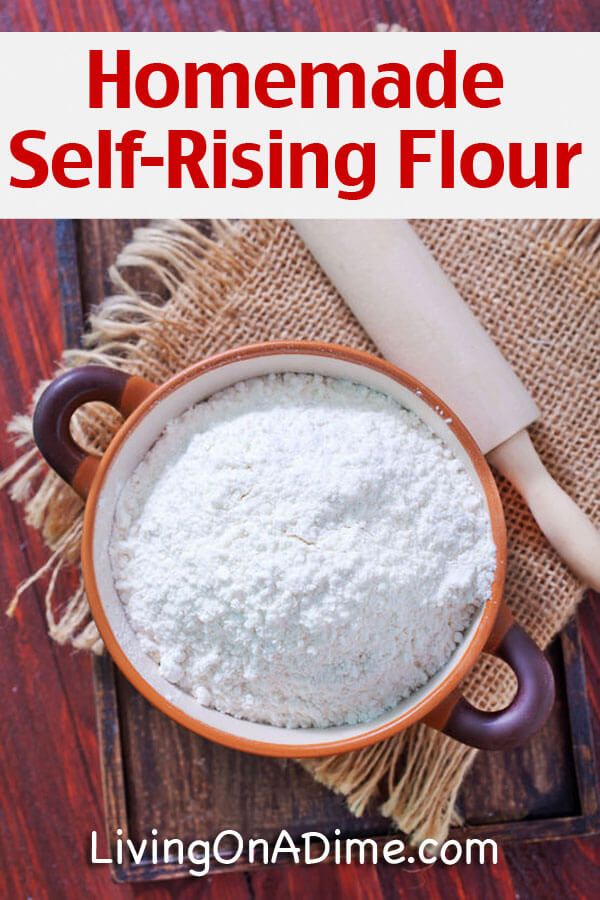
(170, 253)
(415, 775)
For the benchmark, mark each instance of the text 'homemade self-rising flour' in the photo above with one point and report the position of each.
(301, 551)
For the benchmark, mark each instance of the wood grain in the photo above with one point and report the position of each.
(49, 774)
(301, 15)
(51, 793)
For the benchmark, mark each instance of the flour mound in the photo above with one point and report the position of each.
(301, 551)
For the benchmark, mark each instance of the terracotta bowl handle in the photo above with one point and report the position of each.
(54, 409)
(528, 711)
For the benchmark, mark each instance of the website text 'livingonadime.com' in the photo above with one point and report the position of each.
(312, 847)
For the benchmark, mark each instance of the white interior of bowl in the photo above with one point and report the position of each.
(137, 443)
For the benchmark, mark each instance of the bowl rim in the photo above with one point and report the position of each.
(370, 735)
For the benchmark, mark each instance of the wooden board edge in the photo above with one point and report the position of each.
(111, 755)
(68, 281)
(582, 738)
(107, 713)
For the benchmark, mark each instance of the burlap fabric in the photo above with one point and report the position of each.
(182, 292)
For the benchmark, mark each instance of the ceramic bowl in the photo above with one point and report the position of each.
(147, 408)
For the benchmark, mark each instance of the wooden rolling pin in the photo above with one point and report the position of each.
(418, 320)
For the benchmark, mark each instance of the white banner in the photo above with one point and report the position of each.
(299, 125)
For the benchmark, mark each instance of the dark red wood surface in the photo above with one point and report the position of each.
(299, 15)
(50, 793)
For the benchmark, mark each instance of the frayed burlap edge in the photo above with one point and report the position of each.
(169, 252)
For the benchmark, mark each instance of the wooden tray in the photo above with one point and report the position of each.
(158, 775)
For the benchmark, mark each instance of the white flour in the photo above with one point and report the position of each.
(301, 551)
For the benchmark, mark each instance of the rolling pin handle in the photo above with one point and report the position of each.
(564, 524)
